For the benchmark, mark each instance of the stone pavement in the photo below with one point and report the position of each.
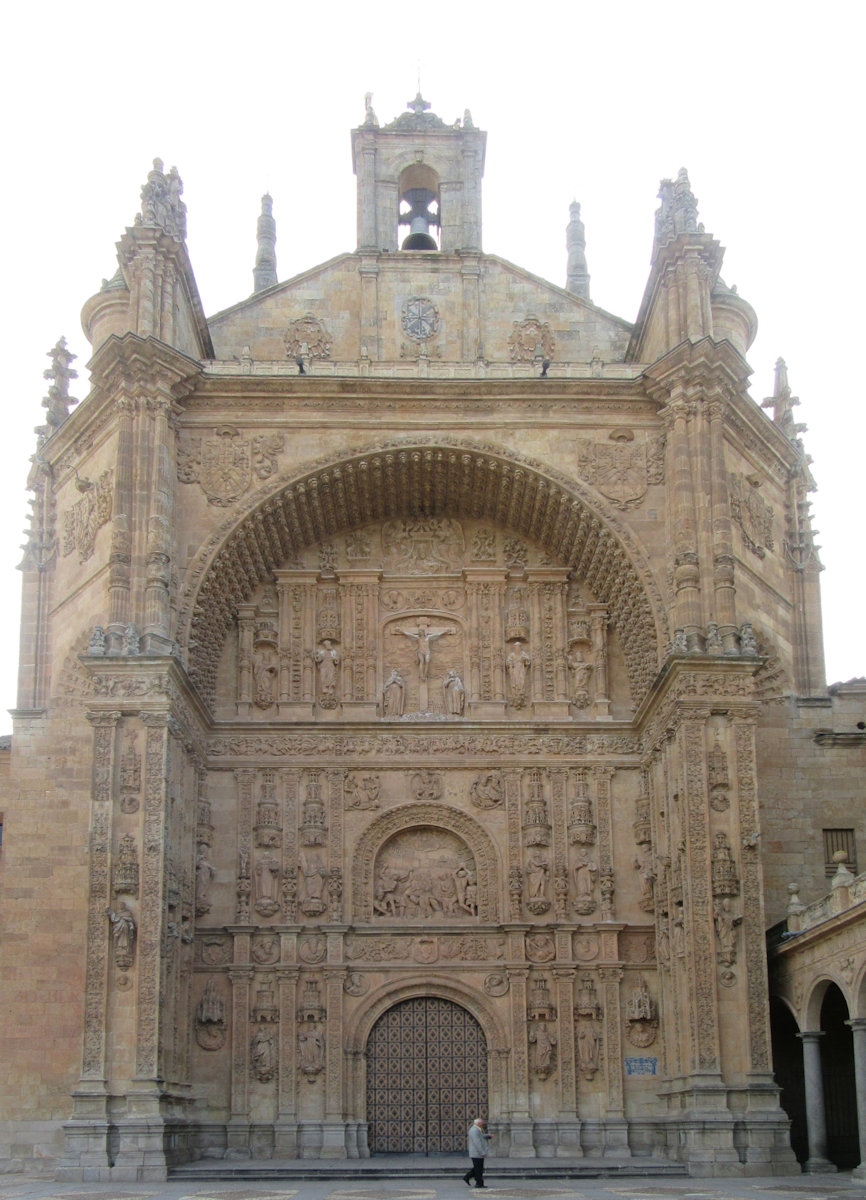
(445, 1187)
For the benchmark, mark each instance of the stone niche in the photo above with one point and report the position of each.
(425, 874)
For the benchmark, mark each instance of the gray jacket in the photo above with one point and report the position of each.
(477, 1142)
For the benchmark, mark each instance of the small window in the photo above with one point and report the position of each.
(834, 841)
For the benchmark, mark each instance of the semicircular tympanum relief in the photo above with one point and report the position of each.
(443, 537)
(419, 618)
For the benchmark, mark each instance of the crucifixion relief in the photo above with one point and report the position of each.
(424, 637)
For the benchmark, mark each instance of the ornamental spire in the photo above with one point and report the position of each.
(265, 270)
(577, 281)
(60, 373)
(678, 212)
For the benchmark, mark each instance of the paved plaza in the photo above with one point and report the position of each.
(449, 1186)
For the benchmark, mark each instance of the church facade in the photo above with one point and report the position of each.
(421, 709)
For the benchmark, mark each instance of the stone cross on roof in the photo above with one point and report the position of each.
(418, 105)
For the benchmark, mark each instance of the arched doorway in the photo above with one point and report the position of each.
(426, 1077)
(788, 1070)
(840, 1094)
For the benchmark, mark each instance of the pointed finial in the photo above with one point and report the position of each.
(678, 212)
(265, 270)
(577, 280)
(60, 373)
(782, 403)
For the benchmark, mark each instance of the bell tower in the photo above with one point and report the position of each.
(419, 182)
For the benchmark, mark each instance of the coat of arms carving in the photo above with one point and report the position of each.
(752, 513)
(224, 465)
(307, 338)
(531, 339)
(621, 468)
(87, 516)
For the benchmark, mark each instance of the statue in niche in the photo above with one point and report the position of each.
(537, 871)
(542, 1053)
(123, 933)
(204, 876)
(585, 871)
(327, 659)
(267, 885)
(644, 867)
(587, 1047)
(311, 1049)
(581, 672)
(314, 877)
(394, 695)
(263, 1055)
(424, 637)
(517, 666)
(726, 923)
(455, 694)
(265, 672)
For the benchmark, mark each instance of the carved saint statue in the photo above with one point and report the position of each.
(542, 1044)
(587, 1045)
(537, 871)
(327, 659)
(455, 694)
(393, 695)
(424, 637)
(585, 872)
(314, 876)
(263, 1055)
(517, 666)
(580, 674)
(311, 1049)
(268, 878)
(265, 669)
(123, 935)
(726, 923)
(204, 875)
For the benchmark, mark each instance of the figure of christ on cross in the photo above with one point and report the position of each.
(424, 637)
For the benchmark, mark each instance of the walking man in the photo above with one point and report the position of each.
(478, 1139)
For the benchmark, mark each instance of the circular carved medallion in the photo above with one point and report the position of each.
(420, 318)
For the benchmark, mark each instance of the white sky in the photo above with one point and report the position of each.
(761, 101)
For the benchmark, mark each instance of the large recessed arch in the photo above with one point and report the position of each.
(414, 477)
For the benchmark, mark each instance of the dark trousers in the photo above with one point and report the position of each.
(477, 1171)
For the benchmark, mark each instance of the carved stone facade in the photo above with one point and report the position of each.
(389, 672)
